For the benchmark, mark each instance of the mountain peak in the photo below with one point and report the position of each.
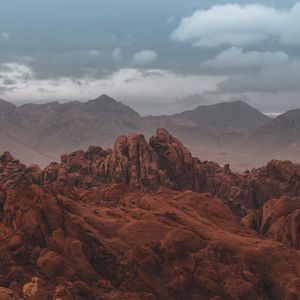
(106, 104)
(235, 114)
(104, 99)
(289, 119)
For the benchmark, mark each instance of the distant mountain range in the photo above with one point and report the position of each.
(231, 132)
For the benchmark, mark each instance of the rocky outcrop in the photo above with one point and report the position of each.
(173, 157)
(278, 219)
(275, 180)
(135, 163)
(125, 224)
(7, 294)
(11, 170)
(162, 245)
(163, 162)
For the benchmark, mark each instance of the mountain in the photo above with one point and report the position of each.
(231, 132)
(237, 115)
(75, 124)
(146, 220)
(285, 128)
(280, 138)
(234, 115)
(41, 132)
(16, 134)
(216, 132)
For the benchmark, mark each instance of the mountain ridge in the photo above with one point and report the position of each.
(41, 132)
(226, 114)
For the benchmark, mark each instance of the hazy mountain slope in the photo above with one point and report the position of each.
(280, 137)
(232, 132)
(97, 121)
(41, 132)
(237, 115)
(285, 128)
(16, 134)
(216, 132)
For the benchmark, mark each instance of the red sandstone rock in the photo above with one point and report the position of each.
(134, 163)
(104, 225)
(174, 158)
(11, 170)
(278, 219)
(163, 245)
(164, 162)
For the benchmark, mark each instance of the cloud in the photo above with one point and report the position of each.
(125, 84)
(94, 52)
(144, 57)
(13, 72)
(117, 54)
(4, 36)
(155, 91)
(235, 60)
(274, 79)
(254, 71)
(240, 25)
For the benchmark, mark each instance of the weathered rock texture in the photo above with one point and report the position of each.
(142, 221)
(278, 219)
(165, 162)
(163, 245)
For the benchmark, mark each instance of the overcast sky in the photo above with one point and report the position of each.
(159, 56)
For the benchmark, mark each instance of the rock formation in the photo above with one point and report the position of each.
(166, 162)
(143, 221)
(163, 245)
(278, 219)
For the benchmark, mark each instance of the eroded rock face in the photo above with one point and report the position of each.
(174, 158)
(275, 180)
(163, 162)
(11, 170)
(278, 219)
(134, 163)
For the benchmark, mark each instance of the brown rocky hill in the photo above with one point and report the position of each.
(143, 221)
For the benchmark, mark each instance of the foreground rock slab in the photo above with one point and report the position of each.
(130, 245)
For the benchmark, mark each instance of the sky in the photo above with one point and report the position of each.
(158, 56)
